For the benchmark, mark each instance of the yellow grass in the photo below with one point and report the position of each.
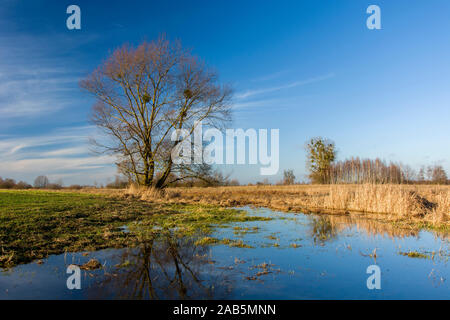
(429, 204)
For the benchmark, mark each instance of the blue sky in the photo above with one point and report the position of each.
(308, 68)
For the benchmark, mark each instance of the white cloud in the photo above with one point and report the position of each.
(270, 76)
(251, 93)
(72, 135)
(65, 152)
(57, 164)
(28, 95)
(59, 153)
(35, 77)
(256, 103)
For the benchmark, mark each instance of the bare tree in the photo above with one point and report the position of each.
(144, 94)
(439, 176)
(356, 170)
(429, 173)
(421, 175)
(288, 177)
(41, 182)
(409, 173)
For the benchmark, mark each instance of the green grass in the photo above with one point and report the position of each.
(35, 224)
(414, 254)
(206, 241)
(422, 225)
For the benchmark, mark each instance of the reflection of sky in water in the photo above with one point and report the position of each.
(329, 262)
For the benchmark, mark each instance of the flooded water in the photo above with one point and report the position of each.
(293, 256)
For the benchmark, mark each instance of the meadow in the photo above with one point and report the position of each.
(35, 224)
(38, 223)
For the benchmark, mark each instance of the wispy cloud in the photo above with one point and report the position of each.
(73, 170)
(36, 75)
(65, 152)
(52, 165)
(59, 153)
(251, 93)
(10, 145)
(257, 103)
(29, 93)
(270, 76)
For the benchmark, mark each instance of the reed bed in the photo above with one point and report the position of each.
(427, 204)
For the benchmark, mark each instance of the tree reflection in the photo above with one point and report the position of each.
(169, 267)
(322, 229)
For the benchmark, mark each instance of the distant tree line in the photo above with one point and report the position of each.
(12, 184)
(357, 170)
(324, 169)
(40, 182)
(118, 183)
(208, 178)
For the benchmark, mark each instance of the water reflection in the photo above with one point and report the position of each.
(305, 256)
(322, 229)
(327, 227)
(372, 227)
(165, 268)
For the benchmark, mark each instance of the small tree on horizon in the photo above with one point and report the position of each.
(321, 153)
(288, 177)
(41, 182)
(439, 176)
(421, 175)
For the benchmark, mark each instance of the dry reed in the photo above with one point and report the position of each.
(404, 203)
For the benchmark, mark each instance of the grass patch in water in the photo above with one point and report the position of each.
(234, 243)
(241, 231)
(239, 244)
(206, 240)
(414, 254)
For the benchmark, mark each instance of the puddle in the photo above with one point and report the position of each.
(293, 256)
(125, 229)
